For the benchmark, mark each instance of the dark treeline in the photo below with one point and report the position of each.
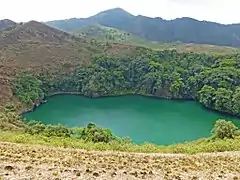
(212, 80)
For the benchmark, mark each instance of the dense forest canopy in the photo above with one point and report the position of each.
(214, 81)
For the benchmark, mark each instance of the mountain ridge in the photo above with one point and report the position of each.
(185, 29)
(157, 17)
(6, 24)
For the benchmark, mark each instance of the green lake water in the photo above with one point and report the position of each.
(143, 119)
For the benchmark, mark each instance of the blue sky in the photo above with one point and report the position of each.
(222, 11)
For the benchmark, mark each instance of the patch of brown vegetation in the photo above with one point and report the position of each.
(38, 162)
(208, 49)
(116, 49)
(36, 46)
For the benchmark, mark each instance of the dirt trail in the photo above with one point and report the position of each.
(19, 161)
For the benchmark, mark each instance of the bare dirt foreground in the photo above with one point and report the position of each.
(18, 161)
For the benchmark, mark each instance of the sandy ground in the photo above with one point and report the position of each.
(19, 161)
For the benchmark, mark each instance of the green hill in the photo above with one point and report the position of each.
(108, 34)
(111, 35)
(60, 62)
(36, 46)
(185, 30)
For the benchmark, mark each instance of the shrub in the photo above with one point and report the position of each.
(57, 130)
(237, 132)
(77, 132)
(27, 88)
(10, 121)
(9, 107)
(90, 133)
(34, 127)
(224, 129)
(96, 134)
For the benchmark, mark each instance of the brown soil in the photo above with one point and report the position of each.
(39, 162)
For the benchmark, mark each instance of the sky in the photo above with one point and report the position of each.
(222, 11)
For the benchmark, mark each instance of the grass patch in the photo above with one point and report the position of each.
(199, 146)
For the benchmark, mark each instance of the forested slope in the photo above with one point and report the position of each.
(186, 30)
(38, 47)
(211, 80)
(100, 33)
(37, 61)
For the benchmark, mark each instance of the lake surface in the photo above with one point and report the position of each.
(143, 119)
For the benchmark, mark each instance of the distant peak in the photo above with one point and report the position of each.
(7, 23)
(114, 11)
(34, 22)
(186, 19)
(117, 10)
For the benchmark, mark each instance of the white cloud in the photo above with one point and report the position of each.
(223, 11)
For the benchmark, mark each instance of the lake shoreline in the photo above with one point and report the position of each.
(141, 118)
(98, 97)
(127, 94)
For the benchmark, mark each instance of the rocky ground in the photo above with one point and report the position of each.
(18, 161)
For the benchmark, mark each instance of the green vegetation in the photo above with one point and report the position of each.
(35, 127)
(9, 120)
(225, 137)
(224, 129)
(28, 88)
(99, 33)
(199, 146)
(103, 33)
(90, 133)
(186, 30)
(211, 80)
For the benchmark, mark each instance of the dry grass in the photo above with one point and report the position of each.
(37, 47)
(40, 162)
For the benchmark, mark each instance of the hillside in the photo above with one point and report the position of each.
(35, 162)
(37, 46)
(186, 30)
(111, 35)
(103, 33)
(58, 152)
(6, 24)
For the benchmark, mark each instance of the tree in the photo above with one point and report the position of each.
(176, 88)
(211, 79)
(206, 95)
(223, 100)
(224, 129)
(28, 88)
(96, 134)
(236, 101)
